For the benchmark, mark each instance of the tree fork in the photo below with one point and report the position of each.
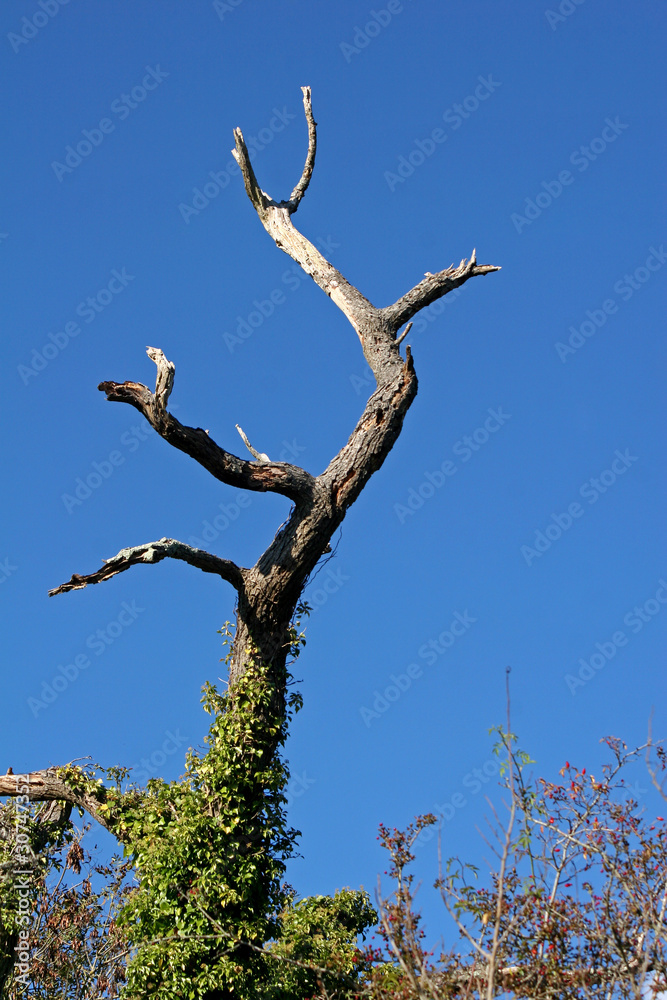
(269, 592)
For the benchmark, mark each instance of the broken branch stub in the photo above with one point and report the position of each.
(164, 380)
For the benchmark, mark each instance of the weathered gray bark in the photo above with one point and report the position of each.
(48, 786)
(269, 591)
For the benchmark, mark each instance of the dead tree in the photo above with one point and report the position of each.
(269, 591)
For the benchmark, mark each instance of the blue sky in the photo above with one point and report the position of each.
(517, 520)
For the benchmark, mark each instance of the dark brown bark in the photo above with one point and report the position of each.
(275, 477)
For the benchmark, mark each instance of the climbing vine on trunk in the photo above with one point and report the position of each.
(210, 850)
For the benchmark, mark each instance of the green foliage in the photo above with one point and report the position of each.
(210, 851)
(56, 908)
(579, 886)
(30, 840)
(210, 915)
(317, 946)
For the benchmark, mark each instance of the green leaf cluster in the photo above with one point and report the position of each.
(210, 915)
(210, 851)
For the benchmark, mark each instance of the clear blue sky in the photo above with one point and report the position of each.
(529, 134)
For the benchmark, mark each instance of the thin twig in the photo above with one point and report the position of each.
(301, 188)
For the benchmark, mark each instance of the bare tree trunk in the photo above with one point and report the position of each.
(269, 591)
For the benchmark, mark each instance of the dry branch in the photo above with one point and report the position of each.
(272, 477)
(433, 287)
(371, 324)
(154, 552)
(301, 188)
(48, 786)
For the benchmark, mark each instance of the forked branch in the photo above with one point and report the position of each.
(376, 328)
(272, 477)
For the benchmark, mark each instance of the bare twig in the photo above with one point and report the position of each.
(493, 956)
(301, 188)
(273, 477)
(260, 456)
(402, 337)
